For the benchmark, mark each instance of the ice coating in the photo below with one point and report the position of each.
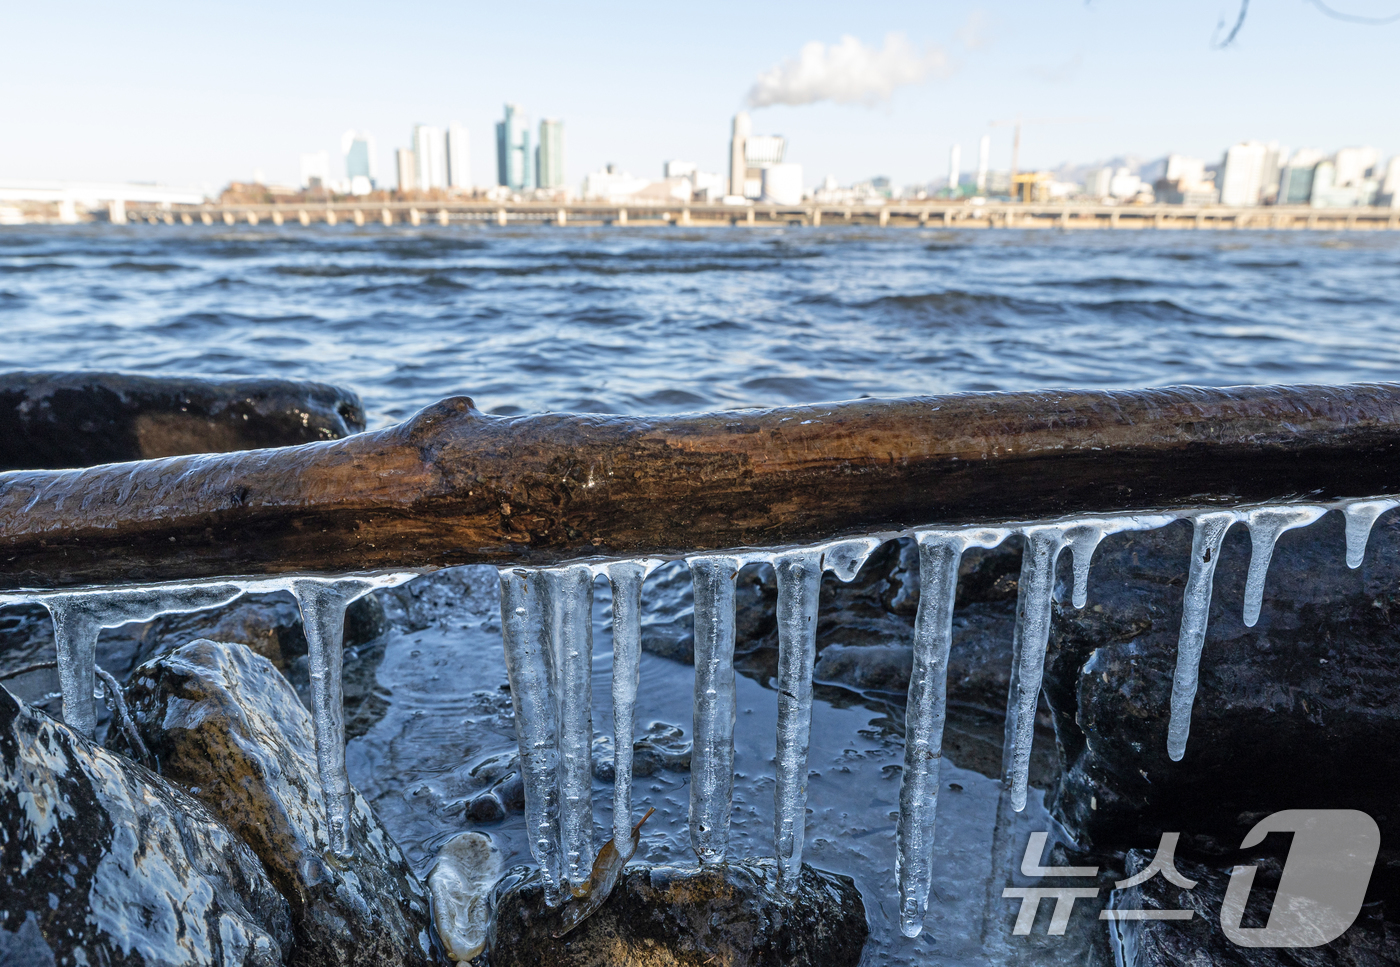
(532, 695)
(1084, 537)
(845, 558)
(626, 578)
(1265, 525)
(712, 756)
(1361, 517)
(568, 610)
(799, 576)
(323, 603)
(1030, 639)
(1210, 530)
(940, 552)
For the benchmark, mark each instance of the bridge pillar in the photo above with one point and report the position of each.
(923, 218)
(359, 218)
(228, 218)
(1113, 219)
(443, 218)
(415, 218)
(386, 216)
(276, 217)
(330, 216)
(116, 212)
(501, 217)
(947, 217)
(622, 216)
(561, 217)
(884, 217)
(185, 219)
(749, 219)
(304, 217)
(685, 216)
(816, 218)
(252, 218)
(206, 218)
(168, 218)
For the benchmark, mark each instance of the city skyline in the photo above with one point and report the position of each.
(1124, 80)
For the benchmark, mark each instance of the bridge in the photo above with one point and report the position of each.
(892, 215)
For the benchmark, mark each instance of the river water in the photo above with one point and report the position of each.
(654, 321)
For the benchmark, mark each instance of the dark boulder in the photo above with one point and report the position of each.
(731, 914)
(221, 721)
(104, 862)
(1300, 711)
(55, 421)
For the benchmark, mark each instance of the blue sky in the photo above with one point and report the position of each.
(200, 93)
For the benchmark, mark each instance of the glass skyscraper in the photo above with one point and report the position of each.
(549, 165)
(515, 162)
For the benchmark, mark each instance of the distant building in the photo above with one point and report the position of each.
(1355, 165)
(1124, 184)
(708, 186)
(738, 167)
(407, 165)
(1250, 175)
(1390, 188)
(361, 164)
(514, 159)
(984, 154)
(680, 169)
(1185, 181)
(954, 169)
(1098, 183)
(612, 184)
(430, 153)
(459, 167)
(782, 184)
(760, 151)
(315, 171)
(549, 161)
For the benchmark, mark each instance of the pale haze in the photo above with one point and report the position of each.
(201, 94)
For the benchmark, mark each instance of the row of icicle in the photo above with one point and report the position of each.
(547, 632)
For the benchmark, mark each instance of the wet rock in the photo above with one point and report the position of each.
(461, 880)
(1300, 711)
(1370, 942)
(62, 420)
(221, 721)
(659, 745)
(102, 861)
(660, 915)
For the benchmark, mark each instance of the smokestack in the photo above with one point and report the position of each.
(738, 166)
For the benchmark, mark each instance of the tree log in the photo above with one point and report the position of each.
(64, 420)
(453, 486)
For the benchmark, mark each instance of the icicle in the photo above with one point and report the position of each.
(1031, 637)
(846, 558)
(568, 608)
(799, 575)
(626, 579)
(1205, 554)
(1084, 537)
(939, 555)
(528, 668)
(79, 616)
(323, 602)
(1265, 525)
(712, 756)
(1360, 517)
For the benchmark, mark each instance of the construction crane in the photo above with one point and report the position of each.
(1016, 138)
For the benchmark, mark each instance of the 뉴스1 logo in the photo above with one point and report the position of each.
(1318, 898)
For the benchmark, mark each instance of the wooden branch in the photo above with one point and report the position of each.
(453, 486)
(62, 420)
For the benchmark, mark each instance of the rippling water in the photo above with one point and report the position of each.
(639, 320)
(667, 320)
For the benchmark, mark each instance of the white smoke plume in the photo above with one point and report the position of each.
(848, 72)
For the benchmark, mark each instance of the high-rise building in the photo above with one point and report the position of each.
(1250, 172)
(738, 169)
(782, 184)
(761, 151)
(1391, 186)
(360, 160)
(407, 165)
(515, 162)
(549, 165)
(984, 157)
(1099, 183)
(1355, 165)
(954, 169)
(430, 152)
(459, 168)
